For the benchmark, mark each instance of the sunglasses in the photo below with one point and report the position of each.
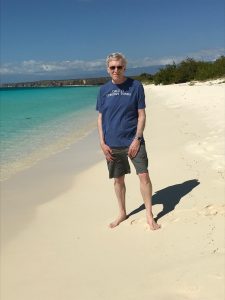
(116, 67)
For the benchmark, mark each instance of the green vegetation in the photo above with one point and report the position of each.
(187, 70)
(145, 78)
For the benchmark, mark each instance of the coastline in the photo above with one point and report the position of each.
(55, 239)
(31, 132)
(45, 180)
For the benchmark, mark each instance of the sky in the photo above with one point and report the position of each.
(52, 39)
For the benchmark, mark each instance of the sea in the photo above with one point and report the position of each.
(36, 123)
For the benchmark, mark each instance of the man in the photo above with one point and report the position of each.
(121, 122)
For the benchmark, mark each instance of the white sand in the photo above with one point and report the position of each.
(59, 246)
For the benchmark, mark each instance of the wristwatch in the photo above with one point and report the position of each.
(139, 138)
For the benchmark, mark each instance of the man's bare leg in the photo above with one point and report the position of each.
(146, 191)
(120, 190)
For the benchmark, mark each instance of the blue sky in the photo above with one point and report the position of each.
(71, 38)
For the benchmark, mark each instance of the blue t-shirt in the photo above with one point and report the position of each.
(119, 104)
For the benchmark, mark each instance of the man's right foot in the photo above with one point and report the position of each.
(118, 221)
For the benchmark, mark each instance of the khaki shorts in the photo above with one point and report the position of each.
(120, 165)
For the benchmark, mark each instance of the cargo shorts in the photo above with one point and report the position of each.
(120, 164)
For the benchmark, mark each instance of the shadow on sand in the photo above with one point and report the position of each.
(169, 197)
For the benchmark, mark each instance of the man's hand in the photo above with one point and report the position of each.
(107, 152)
(133, 149)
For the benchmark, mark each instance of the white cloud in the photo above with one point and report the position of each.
(206, 55)
(40, 67)
(75, 66)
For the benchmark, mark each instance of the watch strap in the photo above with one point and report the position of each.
(139, 138)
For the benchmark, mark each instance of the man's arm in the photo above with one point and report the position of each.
(100, 131)
(105, 148)
(141, 122)
(135, 145)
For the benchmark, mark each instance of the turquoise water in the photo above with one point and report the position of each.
(38, 122)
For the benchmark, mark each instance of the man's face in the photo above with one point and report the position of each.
(116, 70)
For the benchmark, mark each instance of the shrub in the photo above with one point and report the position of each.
(186, 70)
(166, 75)
(189, 70)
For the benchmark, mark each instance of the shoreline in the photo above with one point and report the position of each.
(13, 168)
(50, 86)
(40, 131)
(42, 182)
(54, 220)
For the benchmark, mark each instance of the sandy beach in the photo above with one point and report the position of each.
(55, 240)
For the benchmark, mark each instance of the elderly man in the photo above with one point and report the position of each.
(121, 122)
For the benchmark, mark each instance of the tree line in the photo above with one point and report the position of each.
(185, 71)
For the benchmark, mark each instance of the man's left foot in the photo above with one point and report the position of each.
(152, 224)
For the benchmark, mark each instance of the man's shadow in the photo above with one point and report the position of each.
(169, 197)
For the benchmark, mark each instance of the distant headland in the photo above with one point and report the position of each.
(57, 83)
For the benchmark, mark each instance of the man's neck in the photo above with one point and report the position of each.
(120, 81)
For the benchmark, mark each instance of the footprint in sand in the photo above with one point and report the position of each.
(217, 276)
(141, 222)
(133, 222)
(176, 220)
(212, 210)
(136, 221)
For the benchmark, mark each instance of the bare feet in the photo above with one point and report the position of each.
(152, 223)
(118, 221)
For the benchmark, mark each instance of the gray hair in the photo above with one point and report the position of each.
(116, 56)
